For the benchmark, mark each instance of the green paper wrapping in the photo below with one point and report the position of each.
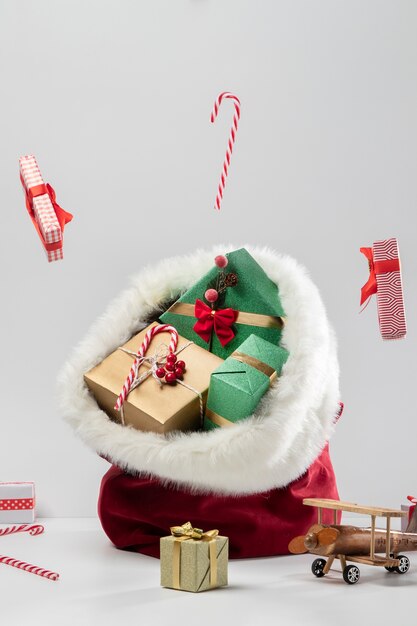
(255, 293)
(236, 387)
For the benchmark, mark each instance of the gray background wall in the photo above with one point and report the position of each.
(114, 99)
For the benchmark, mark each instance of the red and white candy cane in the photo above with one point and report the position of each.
(32, 529)
(155, 330)
(32, 569)
(230, 143)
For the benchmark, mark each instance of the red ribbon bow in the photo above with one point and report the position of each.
(412, 499)
(221, 319)
(376, 267)
(63, 216)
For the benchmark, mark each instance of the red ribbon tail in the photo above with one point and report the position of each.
(63, 216)
(224, 333)
(203, 329)
(370, 287)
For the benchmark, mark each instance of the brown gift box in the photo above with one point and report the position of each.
(150, 406)
(194, 564)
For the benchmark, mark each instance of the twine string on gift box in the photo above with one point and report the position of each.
(154, 361)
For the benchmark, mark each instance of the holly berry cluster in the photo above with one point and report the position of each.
(223, 280)
(173, 369)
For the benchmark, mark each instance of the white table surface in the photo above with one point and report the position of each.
(101, 585)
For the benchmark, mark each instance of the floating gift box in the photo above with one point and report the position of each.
(47, 216)
(239, 383)
(193, 560)
(385, 281)
(251, 305)
(17, 503)
(409, 508)
(154, 406)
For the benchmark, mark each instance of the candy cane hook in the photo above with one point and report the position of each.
(230, 143)
(155, 330)
(32, 529)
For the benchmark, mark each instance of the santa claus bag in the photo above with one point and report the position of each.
(249, 480)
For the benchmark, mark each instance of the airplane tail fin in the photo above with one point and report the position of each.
(412, 524)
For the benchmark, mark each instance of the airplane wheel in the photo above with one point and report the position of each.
(404, 565)
(351, 574)
(317, 567)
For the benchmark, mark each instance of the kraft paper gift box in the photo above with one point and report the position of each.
(150, 406)
(238, 384)
(17, 503)
(48, 217)
(192, 560)
(255, 297)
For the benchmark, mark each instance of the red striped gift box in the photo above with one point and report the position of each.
(385, 281)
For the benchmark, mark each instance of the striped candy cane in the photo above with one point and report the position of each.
(32, 569)
(155, 330)
(32, 529)
(230, 143)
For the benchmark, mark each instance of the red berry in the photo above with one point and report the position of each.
(170, 367)
(171, 378)
(181, 365)
(160, 372)
(221, 261)
(179, 373)
(171, 358)
(211, 295)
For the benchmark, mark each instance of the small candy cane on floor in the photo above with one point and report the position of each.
(32, 529)
(32, 569)
(230, 143)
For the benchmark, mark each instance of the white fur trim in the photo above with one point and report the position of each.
(271, 448)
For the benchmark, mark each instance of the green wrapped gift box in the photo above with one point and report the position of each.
(255, 298)
(239, 383)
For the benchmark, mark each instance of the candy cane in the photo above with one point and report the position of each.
(32, 569)
(162, 328)
(230, 143)
(32, 529)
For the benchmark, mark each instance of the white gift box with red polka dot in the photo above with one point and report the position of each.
(17, 503)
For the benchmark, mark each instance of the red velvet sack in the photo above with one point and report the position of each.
(248, 480)
(135, 512)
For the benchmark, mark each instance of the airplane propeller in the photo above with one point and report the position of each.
(317, 535)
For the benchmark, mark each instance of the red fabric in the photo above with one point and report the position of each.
(135, 512)
(221, 319)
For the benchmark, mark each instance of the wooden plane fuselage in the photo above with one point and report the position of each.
(353, 540)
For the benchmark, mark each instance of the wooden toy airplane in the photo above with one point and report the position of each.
(355, 544)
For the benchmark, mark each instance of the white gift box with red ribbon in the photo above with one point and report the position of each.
(410, 509)
(17, 503)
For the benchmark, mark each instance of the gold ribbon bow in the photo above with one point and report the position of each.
(184, 533)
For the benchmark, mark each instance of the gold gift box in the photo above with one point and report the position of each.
(190, 564)
(151, 406)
